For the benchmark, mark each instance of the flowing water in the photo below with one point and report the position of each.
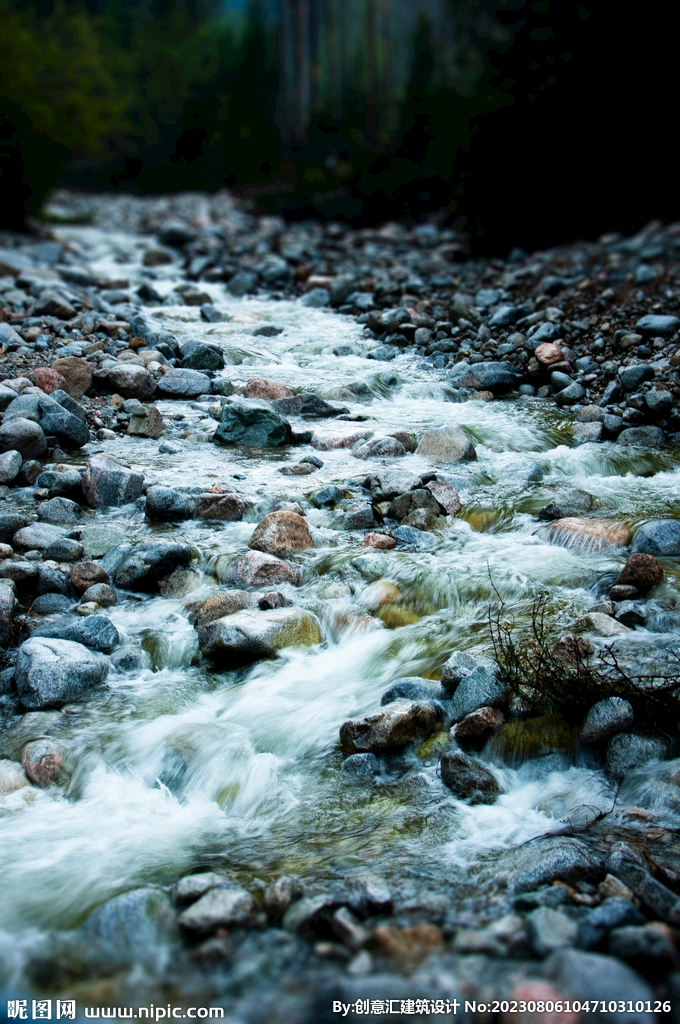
(182, 766)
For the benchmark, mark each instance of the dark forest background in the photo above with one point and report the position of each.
(538, 122)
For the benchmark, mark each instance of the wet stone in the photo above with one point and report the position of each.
(468, 778)
(391, 730)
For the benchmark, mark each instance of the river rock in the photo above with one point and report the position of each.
(388, 483)
(149, 563)
(547, 354)
(660, 537)
(600, 624)
(381, 541)
(458, 666)
(359, 518)
(220, 907)
(253, 424)
(281, 533)
(99, 538)
(267, 390)
(197, 355)
(132, 381)
(358, 765)
(549, 930)
(37, 536)
(654, 324)
(50, 673)
(23, 436)
(10, 522)
(608, 716)
(480, 688)
(48, 380)
(43, 763)
(7, 602)
(226, 508)
(181, 383)
(491, 376)
(595, 978)
(251, 635)
(446, 444)
(467, 778)
(101, 594)
(77, 374)
(642, 571)
(405, 504)
(568, 504)
(591, 533)
(166, 505)
(389, 731)
(23, 575)
(221, 604)
(61, 482)
(107, 483)
(95, 631)
(59, 512)
(308, 406)
(10, 464)
(445, 495)
(12, 777)
(146, 422)
(380, 447)
(130, 927)
(86, 574)
(257, 569)
(652, 437)
(477, 727)
(629, 750)
(410, 688)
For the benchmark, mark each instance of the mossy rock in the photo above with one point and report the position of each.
(530, 737)
(395, 615)
(434, 746)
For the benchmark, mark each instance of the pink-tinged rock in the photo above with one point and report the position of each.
(261, 387)
(391, 729)
(536, 992)
(379, 540)
(590, 533)
(281, 533)
(549, 353)
(43, 762)
(327, 444)
(257, 569)
(477, 726)
(48, 380)
(445, 495)
(227, 507)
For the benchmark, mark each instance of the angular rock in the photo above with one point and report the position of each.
(146, 422)
(281, 533)
(196, 355)
(50, 673)
(226, 508)
(456, 669)
(475, 728)
(568, 504)
(77, 374)
(467, 778)
(405, 504)
(608, 716)
(219, 908)
(107, 483)
(251, 635)
(253, 424)
(445, 495)
(61, 481)
(642, 571)
(387, 484)
(257, 569)
(570, 395)
(391, 730)
(58, 421)
(480, 688)
(221, 604)
(446, 444)
(361, 518)
(149, 563)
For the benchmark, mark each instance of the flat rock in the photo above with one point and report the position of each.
(37, 536)
(251, 635)
(94, 631)
(591, 533)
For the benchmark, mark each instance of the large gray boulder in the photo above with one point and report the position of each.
(166, 505)
(446, 444)
(148, 564)
(390, 730)
(628, 750)
(479, 689)
(254, 424)
(249, 635)
(660, 537)
(106, 483)
(93, 631)
(51, 672)
(613, 714)
(196, 355)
